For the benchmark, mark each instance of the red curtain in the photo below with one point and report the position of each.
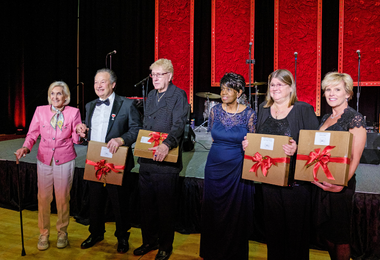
(174, 40)
(298, 29)
(359, 30)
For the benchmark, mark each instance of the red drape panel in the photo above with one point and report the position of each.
(232, 30)
(19, 101)
(359, 30)
(298, 27)
(174, 36)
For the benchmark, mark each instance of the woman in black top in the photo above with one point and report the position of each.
(334, 228)
(286, 209)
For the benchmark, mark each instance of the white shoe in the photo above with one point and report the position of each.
(43, 242)
(62, 240)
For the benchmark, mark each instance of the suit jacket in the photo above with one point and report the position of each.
(54, 142)
(169, 116)
(125, 124)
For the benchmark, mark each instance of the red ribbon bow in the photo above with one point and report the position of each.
(102, 167)
(156, 137)
(265, 162)
(320, 159)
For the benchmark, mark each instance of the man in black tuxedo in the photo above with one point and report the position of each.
(114, 120)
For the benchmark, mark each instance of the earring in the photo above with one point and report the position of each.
(346, 99)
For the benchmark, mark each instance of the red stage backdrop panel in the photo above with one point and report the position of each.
(359, 23)
(298, 28)
(232, 31)
(174, 34)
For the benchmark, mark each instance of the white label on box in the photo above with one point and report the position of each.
(322, 138)
(267, 143)
(145, 140)
(104, 152)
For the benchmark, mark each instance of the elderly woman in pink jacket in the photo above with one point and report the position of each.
(56, 124)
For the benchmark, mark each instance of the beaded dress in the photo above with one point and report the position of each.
(227, 208)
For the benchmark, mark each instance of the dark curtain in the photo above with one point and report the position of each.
(124, 26)
(38, 47)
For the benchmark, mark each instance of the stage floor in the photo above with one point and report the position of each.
(193, 161)
(367, 175)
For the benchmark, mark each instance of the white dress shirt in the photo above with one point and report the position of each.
(100, 120)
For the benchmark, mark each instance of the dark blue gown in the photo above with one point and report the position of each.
(227, 208)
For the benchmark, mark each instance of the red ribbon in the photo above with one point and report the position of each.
(320, 159)
(265, 162)
(156, 137)
(102, 168)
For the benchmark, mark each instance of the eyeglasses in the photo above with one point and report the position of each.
(158, 75)
(277, 85)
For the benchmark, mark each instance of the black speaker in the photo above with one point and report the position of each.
(189, 135)
(371, 153)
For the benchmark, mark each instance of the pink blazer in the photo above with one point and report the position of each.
(54, 143)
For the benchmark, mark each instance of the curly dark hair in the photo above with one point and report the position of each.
(234, 81)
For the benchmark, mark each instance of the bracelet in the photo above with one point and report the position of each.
(122, 141)
(27, 149)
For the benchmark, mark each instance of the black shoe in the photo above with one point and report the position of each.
(163, 255)
(145, 248)
(91, 241)
(122, 246)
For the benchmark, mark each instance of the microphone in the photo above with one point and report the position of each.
(142, 81)
(358, 52)
(250, 46)
(295, 54)
(112, 52)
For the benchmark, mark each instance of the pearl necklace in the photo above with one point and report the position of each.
(229, 114)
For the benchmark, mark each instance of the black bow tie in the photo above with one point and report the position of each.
(105, 102)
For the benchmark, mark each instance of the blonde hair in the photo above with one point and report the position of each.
(65, 90)
(165, 64)
(286, 77)
(335, 78)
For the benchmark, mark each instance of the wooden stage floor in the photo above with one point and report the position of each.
(185, 246)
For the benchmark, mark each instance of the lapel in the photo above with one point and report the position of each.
(91, 112)
(117, 103)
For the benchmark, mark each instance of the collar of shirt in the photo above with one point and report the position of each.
(100, 120)
(111, 98)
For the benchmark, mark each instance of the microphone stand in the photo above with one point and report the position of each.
(295, 69)
(251, 61)
(110, 55)
(143, 89)
(359, 89)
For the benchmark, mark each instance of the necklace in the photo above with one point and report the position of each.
(159, 98)
(278, 111)
(229, 114)
(332, 117)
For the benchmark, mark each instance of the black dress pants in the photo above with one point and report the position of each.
(158, 189)
(287, 213)
(119, 197)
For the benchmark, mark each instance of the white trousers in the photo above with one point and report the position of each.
(61, 178)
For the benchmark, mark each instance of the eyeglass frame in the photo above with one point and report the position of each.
(158, 75)
(277, 85)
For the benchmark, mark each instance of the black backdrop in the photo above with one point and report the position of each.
(39, 46)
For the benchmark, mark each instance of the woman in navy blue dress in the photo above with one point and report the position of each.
(333, 222)
(227, 208)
